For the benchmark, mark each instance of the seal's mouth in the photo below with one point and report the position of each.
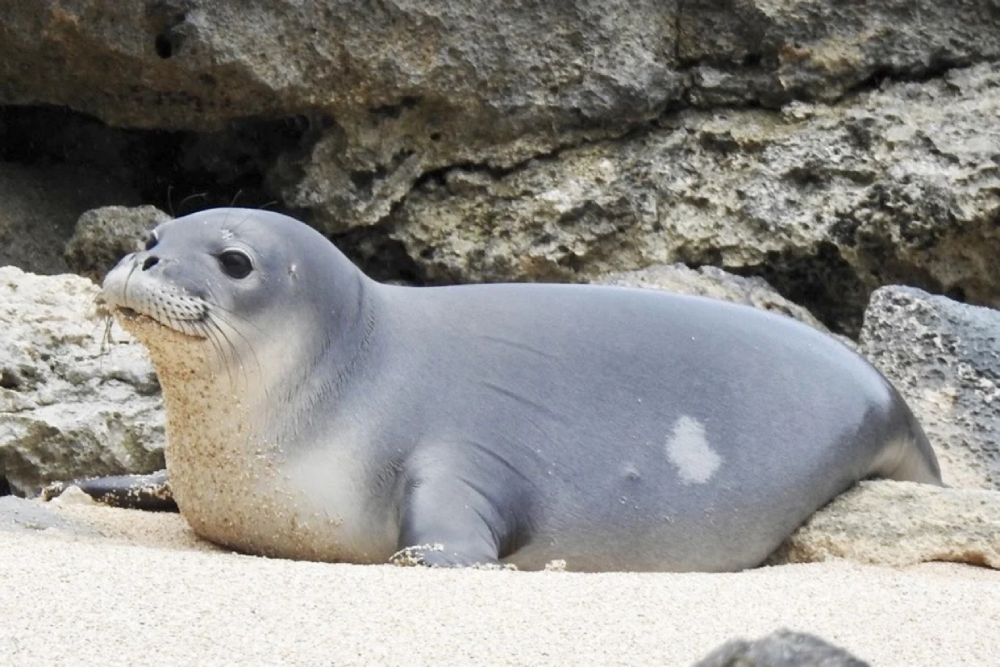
(129, 313)
(132, 315)
(106, 309)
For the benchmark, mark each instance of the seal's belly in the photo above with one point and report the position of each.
(272, 521)
(254, 505)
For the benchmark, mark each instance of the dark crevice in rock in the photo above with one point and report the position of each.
(182, 172)
(678, 26)
(955, 293)
(169, 21)
(937, 68)
(764, 64)
(10, 379)
(394, 111)
(178, 171)
(381, 257)
(438, 176)
(168, 42)
(749, 63)
(163, 47)
(5, 489)
(822, 282)
(366, 182)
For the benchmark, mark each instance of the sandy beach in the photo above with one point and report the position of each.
(124, 586)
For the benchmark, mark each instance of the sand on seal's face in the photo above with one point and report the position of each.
(149, 588)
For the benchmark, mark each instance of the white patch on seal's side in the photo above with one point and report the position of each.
(689, 452)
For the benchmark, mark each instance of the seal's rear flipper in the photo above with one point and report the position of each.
(910, 458)
(142, 492)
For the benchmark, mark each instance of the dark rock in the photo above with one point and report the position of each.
(105, 235)
(783, 648)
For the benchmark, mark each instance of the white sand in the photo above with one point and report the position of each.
(148, 591)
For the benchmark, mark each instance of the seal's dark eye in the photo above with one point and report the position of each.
(152, 241)
(236, 263)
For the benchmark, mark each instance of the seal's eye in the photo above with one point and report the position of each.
(236, 264)
(152, 241)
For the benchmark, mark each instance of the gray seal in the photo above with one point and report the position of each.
(313, 413)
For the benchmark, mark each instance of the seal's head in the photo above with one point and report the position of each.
(228, 285)
(251, 319)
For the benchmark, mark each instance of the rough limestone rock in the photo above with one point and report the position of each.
(387, 92)
(70, 405)
(901, 523)
(783, 648)
(40, 207)
(711, 282)
(105, 235)
(828, 202)
(944, 357)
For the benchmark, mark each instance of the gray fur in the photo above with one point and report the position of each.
(613, 428)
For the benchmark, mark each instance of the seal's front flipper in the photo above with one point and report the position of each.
(449, 524)
(142, 492)
(435, 555)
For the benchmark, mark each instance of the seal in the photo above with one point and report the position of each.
(313, 413)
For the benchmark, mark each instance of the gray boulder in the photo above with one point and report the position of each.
(944, 357)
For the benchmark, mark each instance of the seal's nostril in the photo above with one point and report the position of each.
(150, 263)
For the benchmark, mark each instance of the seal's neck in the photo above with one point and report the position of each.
(321, 360)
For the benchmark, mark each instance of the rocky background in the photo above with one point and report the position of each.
(808, 156)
